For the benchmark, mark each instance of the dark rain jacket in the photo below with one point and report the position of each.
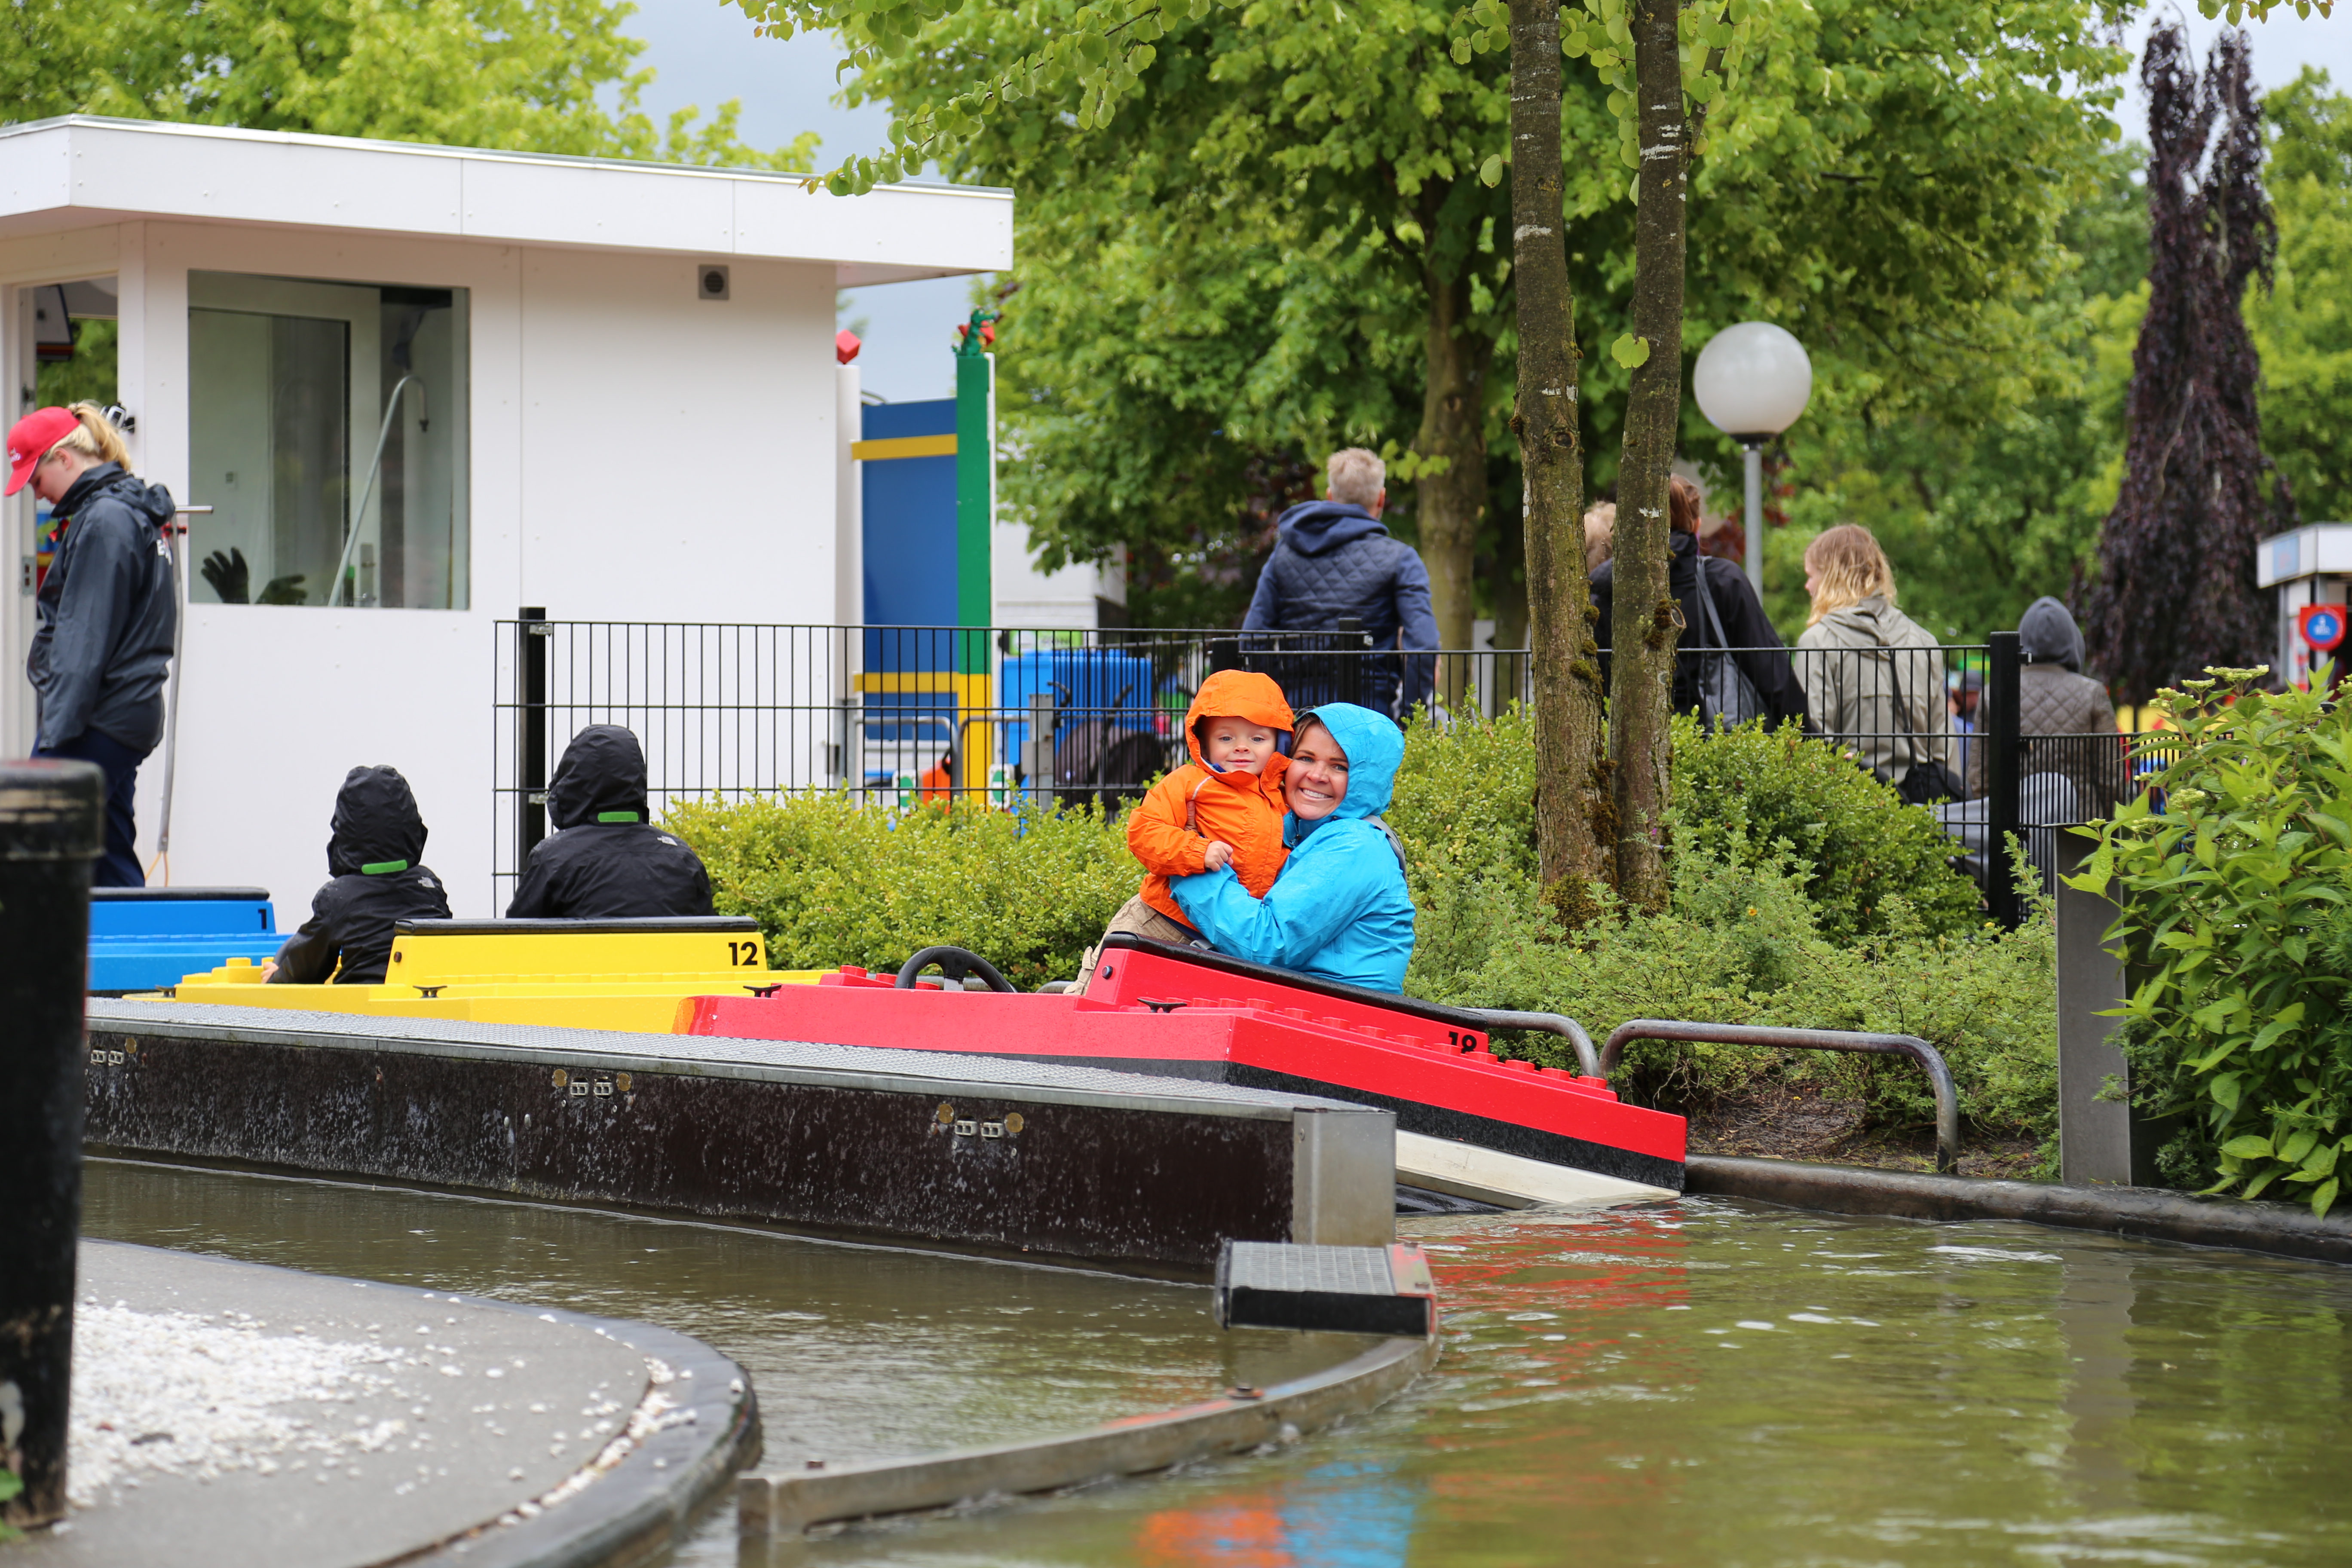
(374, 853)
(1744, 627)
(107, 613)
(1333, 561)
(2054, 698)
(605, 860)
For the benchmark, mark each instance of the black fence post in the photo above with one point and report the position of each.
(2004, 818)
(531, 633)
(48, 834)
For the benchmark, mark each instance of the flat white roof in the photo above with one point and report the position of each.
(2316, 549)
(85, 170)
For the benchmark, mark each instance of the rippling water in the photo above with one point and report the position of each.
(1701, 1383)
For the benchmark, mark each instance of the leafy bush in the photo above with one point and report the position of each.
(1859, 846)
(833, 881)
(1465, 802)
(1741, 944)
(2236, 932)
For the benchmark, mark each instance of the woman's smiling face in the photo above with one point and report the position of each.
(1316, 781)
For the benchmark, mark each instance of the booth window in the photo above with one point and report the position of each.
(327, 430)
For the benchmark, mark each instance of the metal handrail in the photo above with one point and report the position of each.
(1588, 1061)
(1939, 1077)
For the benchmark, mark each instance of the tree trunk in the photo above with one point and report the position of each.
(1643, 616)
(1453, 427)
(1573, 832)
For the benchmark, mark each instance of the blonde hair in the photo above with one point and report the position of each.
(1355, 477)
(1599, 534)
(1847, 567)
(97, 439)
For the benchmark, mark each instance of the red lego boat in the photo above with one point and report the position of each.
(1469, 1124)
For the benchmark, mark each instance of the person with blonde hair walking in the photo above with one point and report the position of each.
(1873, 678)
(106, 609)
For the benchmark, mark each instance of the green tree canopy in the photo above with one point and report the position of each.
(1233, 274)
(2303, 326)
(518, 75)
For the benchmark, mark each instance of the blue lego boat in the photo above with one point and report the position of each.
(144, 938)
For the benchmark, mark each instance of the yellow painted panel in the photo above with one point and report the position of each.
(635, 1004)
(903, 446)
(440, 959)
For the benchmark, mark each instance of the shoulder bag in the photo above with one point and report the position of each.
(1727, 696)
(1927, 781)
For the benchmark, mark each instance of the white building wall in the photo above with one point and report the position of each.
(1070, 598)
(637, 453)
(280, 702)
(681, 452)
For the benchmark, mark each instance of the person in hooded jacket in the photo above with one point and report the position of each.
(2054, 698)
(1333, 561)
(605, 860)
(1339, 910)
(1737, 610)
(375, 851)
(106, 608)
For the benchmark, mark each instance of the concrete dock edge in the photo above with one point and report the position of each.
(2145, 1214)
(773, 1510)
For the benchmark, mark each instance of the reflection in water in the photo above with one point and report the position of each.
(1336, 1516)
(1701, 1383)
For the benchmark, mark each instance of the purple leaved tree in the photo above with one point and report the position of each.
(2175, 590)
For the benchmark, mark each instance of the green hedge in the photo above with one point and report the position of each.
(2236, 930)
(832, 881)
(1804, 893)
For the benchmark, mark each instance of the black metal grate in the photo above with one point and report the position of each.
(904, 715)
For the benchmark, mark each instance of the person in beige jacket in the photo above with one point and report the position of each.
(1857, 651)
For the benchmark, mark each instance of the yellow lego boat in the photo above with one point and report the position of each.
(626, 974)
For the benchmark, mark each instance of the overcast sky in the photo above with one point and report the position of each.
(703, 53)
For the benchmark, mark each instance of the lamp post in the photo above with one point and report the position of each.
(1752, 381)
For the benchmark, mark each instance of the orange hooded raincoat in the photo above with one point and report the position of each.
(1170, 828)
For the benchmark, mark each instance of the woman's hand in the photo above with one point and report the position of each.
(1218, 854)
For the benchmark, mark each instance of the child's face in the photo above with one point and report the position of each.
(1236, 743)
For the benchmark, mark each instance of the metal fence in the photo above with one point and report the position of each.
(905, 715)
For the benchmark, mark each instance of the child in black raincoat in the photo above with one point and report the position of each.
(605, 861)
(375, 857)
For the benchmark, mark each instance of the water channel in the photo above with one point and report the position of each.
(1702, 1381)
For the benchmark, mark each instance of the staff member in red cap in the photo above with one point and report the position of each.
(107, 610)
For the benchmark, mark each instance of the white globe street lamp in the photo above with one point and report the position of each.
(1752, 381)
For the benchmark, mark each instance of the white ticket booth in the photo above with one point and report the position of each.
(2310, 567)
(419, 387)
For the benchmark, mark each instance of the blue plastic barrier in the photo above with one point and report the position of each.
(142, 938)
(1085, 683)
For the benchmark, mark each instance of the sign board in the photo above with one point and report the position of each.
(2321, 625)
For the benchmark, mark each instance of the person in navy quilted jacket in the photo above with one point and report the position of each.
(1333, 561)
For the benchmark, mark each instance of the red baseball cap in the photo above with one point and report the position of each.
(31, 440)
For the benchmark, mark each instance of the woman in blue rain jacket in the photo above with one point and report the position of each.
(1339, 910)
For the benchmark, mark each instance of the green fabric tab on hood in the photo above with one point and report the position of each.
(382, 868)
(618, 816)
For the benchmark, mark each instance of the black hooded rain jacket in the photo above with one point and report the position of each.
(378, 840)
(107, 613)
(1744, 627)
(605, 860)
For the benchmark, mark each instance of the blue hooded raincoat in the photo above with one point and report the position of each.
(1339, 910)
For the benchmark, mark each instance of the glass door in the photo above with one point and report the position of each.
(281, 436)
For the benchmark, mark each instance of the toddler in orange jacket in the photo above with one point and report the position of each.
(1223, 807)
